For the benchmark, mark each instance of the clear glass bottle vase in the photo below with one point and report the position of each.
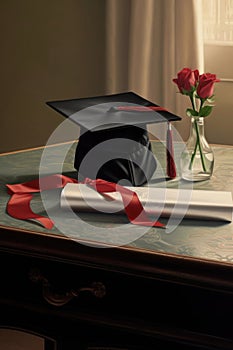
(197, 159)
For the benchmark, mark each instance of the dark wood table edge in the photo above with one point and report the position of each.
(198, 272)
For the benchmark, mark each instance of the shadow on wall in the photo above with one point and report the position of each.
(50, 50)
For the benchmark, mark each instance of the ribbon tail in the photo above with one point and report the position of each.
(37, 185)
(19, 208)
(148, 223)
(21, 194)
(135, 211)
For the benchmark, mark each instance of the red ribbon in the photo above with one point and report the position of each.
(21, 194)
(133, 207)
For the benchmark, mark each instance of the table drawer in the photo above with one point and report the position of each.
(98, 298)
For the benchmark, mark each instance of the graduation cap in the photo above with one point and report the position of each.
(114, 143)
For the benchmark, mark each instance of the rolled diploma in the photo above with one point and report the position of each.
(193, 204)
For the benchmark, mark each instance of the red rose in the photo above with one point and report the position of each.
(186, 79)
(205, 87)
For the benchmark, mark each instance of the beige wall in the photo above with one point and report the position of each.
(50, 49)
(56, 50)
(219, 125)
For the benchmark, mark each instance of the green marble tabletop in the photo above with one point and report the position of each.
(212, 240)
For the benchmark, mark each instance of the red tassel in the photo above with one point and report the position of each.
(171, 166)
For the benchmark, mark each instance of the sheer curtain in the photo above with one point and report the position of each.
(148, 42)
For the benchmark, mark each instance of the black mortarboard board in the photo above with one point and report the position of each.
(114, 144)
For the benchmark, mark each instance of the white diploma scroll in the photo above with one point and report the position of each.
(164, 202)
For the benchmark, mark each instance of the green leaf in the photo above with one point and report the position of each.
(205, 111)
(210, 99)
(188, 92)
(185, 92)
(191, 112)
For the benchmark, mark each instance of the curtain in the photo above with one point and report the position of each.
(148, 42)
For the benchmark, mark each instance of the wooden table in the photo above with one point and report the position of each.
(164, 290)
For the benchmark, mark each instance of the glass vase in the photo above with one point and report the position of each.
(197, 159)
